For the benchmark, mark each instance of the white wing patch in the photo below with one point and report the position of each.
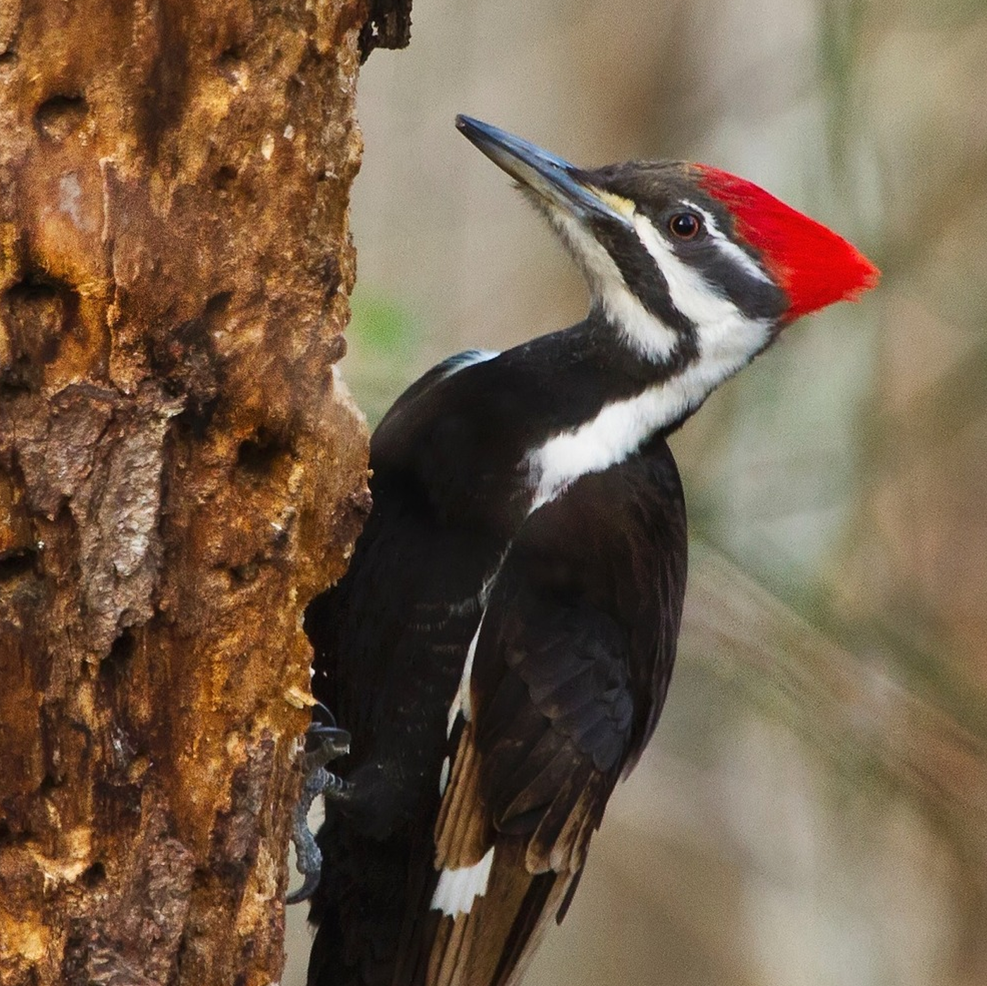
(458, 889)
(461, 700)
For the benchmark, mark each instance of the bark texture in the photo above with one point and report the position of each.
(178, 472)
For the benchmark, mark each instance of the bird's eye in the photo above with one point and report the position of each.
(685, 225)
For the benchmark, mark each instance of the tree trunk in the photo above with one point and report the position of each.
(178, 472)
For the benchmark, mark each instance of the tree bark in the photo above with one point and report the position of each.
(179, 473)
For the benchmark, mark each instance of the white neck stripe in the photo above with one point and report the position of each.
(622, 427)
(697, 299)
(645, 333)
(726, 340)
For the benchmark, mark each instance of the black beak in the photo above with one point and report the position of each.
(553, 178)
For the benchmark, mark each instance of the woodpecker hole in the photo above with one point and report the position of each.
(230, 55)
(93, 875)
(259, 455)
(186, 358)
(218, 303)
(36, 312)
(197, 417)
(230, 62)
(224, 177)
(48, 784)
(121, 651)
(16, 562)
(60, 116)
(246, 573)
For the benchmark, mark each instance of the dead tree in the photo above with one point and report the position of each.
(179, 473)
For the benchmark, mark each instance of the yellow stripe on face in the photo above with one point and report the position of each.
(616, 202)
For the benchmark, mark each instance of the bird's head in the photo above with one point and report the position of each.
(692, 265)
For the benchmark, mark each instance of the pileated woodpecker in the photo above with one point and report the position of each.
(502, 644)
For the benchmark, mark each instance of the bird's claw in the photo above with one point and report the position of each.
(331, 742)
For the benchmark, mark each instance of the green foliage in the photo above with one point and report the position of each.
(383, 336)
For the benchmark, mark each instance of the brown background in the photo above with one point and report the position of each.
(812, 809)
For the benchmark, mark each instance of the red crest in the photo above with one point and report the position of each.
(813, 265)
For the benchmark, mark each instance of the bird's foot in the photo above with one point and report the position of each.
(330, 743)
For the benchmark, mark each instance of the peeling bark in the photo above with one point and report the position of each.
(179, 472)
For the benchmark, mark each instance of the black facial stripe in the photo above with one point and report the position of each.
(642, 276)
(661, 189)
(754, 297)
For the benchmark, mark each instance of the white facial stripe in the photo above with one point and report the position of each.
(726, 340)
(727, 247)
(457, 890)
(688, 290)
(647, 334)
(620, 428)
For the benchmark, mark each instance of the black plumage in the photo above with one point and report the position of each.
(502, 644)
(581, 602)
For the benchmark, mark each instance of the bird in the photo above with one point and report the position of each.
(502, 643)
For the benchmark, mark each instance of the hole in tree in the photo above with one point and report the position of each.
(224, 177)
(61, 115)
(93, 875)
(37, 313)
(121, 651)
(197, 417)
(231, 55)
(16, 562)
(48, 784)
(246, 573)
(258, 455)
(218, 303)
(31, 291)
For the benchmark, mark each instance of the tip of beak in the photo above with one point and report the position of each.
(484, 135)
(551, 177)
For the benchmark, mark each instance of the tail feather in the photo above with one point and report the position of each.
(492, 944)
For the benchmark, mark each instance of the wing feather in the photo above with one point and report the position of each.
(460, 829)
(569, 671)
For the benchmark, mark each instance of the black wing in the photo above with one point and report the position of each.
(569, 675)
(389, 646)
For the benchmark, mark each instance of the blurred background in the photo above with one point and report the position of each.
(813, 808)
